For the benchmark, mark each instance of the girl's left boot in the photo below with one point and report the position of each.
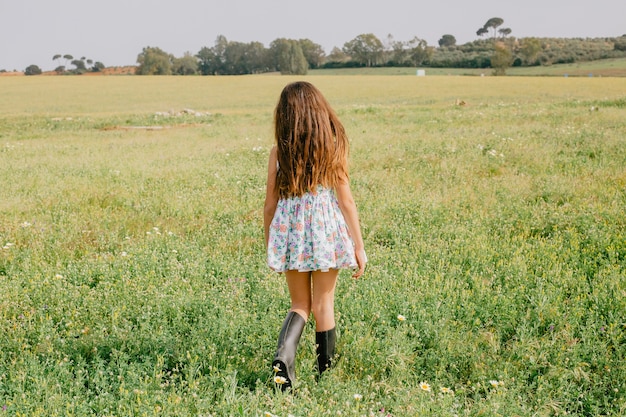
(285, 359)
(325, 342)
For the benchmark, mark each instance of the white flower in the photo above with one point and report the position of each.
(401, 317)
(358, 397)
(280, 380)
(494, 383)
(276, 368)
(425, 386)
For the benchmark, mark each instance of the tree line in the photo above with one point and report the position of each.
(288, 56)
(498, 50)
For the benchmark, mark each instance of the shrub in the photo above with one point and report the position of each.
(32, 70)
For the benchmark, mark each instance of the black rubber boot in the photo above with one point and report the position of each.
(284, 362)
(325, 342)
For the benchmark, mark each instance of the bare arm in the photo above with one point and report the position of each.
(271, 196)
(349, 211)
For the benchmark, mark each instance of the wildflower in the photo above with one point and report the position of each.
(26, 224)
(358, 397)
(276, 368)
(425, 386)
(445, 390)
(280, 380)
(124, 254)
(494, 383)
(401, 317)
(268, 414)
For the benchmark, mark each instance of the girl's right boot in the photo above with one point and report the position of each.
(284, 362)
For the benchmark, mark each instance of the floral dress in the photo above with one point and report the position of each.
(309, 233)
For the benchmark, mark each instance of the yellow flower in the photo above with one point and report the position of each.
(425, 386)
(401, 317)
(495, 383)
(276, 368)
(280, 380)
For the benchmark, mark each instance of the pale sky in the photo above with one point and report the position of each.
(115, 31)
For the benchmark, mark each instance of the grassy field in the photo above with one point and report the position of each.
(133, 277)
(599, 68)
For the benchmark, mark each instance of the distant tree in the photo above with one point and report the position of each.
(154, 61)
(419, 51)
(258, 58)
(60, 69)
(337, 55)
(98, 66)
(447, 40)
(504, 32)
(288, 57)
(619, 44)
(68, 58)
(298, 64)
(529, 49)
(32, 70)
(365, 49)
(313, 52)
(57, 57)
(80, 65)
(186, 65)
(211, 60)
(235, 58)
(494, 23)
(232, 58)
(208, 61)
(502, 59)
(395, 52)
(482, 31)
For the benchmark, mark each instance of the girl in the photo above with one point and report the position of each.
(311, 222)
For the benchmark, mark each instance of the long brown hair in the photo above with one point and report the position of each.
(312, 142)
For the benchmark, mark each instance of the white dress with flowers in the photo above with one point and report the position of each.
(309, 233)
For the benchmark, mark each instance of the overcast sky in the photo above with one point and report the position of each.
(115, 31)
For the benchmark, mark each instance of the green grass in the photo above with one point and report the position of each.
(599, 68)
(133, 278)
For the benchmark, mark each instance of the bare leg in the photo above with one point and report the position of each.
(299, 284)
(323, 300)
